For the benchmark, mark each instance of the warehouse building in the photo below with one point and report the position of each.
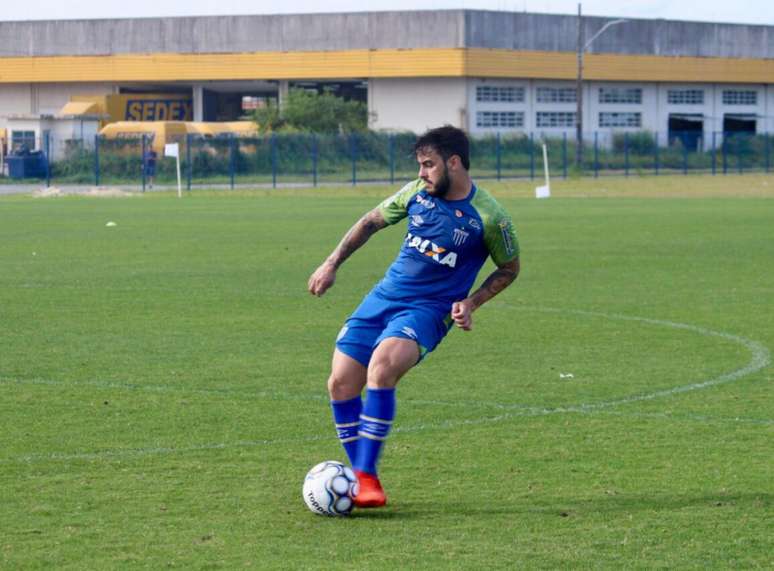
(488, 72)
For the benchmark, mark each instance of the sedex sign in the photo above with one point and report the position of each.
(158, 110)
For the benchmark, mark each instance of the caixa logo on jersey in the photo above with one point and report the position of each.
(426, 202)
(432, 250)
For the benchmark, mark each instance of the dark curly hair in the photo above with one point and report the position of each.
(446, 141)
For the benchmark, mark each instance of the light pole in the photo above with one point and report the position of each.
(581, 48)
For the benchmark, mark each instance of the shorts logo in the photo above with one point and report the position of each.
(459, 237)
(409, 331)
(431, 250)
(342, 333)
(426, 202)
(417, 220)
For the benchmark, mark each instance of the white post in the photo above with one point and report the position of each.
(545, 164)
(545, 190)
(173, 150)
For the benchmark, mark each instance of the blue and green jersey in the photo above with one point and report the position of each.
(446, 244)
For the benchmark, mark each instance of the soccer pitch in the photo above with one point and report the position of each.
(162, 385)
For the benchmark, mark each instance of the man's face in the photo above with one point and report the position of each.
(432, 170)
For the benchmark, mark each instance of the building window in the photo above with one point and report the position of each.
(23, 139)
(555, 119)
(685, 97)
(556, 95)
(740, 97)
(494, 93)
(620, 95)
(620, 119)
(502, 119)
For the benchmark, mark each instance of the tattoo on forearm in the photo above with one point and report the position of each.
(497, 281)
(358, 235)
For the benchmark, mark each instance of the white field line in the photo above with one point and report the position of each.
(125, 453)
(760, 358)
(117, 385)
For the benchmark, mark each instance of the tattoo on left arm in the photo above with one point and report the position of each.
(497, 281)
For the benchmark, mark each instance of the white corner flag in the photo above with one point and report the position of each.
(173, 150)
(545, 190)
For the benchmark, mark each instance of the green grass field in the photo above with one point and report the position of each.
(162, 385)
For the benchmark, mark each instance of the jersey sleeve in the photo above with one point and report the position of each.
(395, 208)
(499, 232)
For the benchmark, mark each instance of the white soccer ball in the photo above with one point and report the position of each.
(330, 488)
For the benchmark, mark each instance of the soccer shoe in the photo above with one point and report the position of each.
(371, 494)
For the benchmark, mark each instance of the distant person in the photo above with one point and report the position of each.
(149, 164)
(453, 227)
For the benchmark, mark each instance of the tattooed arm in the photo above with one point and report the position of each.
(501, 278)
(324, 276)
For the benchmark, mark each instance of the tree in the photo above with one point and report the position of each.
(313, 112)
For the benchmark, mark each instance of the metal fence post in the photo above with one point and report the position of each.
(714, 154)
(657, 153)
(739, 156)
(273, 147)
(531, 155)
(596, 154)
(353, 154)
(314, 160)
(96, 160)
(143, 167)
(724, 152)
(48, 158)
(766, 150)
(391, 146)
(498, 151)
(626, 154)
(189, 166)
(564, 154)
(232, 147)
(685, 157)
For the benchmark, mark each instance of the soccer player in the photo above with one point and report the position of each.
(453, 227)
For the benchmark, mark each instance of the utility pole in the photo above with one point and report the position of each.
(581, 48)
(579, 95)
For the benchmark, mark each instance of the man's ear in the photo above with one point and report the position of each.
(454, 163)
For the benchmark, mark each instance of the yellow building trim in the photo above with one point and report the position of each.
(442, 62)
(610, 67)
(234, 66)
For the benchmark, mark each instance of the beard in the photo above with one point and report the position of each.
(441, 188)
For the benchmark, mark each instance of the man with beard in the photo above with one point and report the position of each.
(453, 227)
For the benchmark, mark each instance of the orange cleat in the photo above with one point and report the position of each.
(371, 494)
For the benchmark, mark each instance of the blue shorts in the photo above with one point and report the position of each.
(378, 318)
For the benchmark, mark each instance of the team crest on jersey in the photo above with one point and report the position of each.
(459, 237)
(458, 213)
(432, 250)
(474, 224)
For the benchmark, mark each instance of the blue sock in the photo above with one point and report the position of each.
(346, 415)
(375, 424)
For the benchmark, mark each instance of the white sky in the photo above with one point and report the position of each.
(741, 11)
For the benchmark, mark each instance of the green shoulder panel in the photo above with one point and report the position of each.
(499, 232)
(395, 208)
